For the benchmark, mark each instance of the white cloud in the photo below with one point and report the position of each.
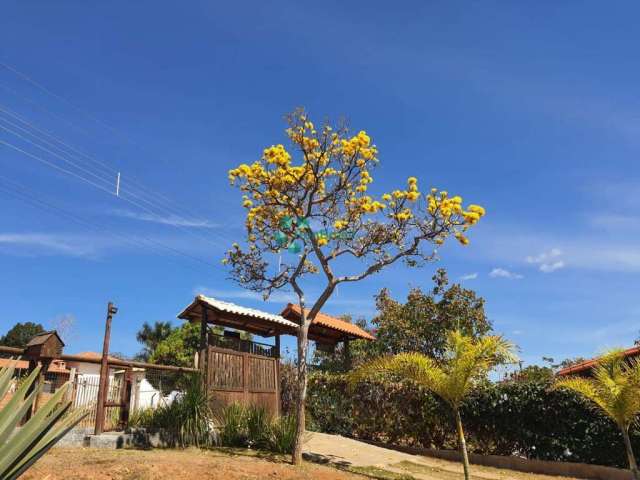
(502, 273)
(552, 267)
(547, 261)
(544, 256)
(51, 244)
(171, 220)
(469, 276)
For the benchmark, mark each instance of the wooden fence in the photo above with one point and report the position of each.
(243, 377)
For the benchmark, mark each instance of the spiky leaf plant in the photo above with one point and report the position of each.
(614, 389)
(22, 446)
(466, 361)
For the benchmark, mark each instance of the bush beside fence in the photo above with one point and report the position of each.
(510, 418)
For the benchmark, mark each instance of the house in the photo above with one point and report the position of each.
(143, 393)
(55, 376)
(584, 369)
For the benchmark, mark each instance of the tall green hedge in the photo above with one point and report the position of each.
(510, 418)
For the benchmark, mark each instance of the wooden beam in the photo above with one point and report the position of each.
(277, 346)
(347, 354)
(104, 371)
(203, 340)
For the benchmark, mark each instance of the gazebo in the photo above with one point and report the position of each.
(247, 371)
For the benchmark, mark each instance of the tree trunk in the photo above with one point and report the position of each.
(463, 444)
(302, 391)
(633, 466)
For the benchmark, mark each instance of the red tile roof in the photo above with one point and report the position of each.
(93, 356)
(293, 311)
(57, 366)
(588, 364)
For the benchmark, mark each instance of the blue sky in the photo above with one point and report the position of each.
(528, 109)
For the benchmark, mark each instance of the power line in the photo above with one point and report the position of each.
(82, 111)
(94, 184)
(165, 203)
(44, 109)
(41, 87)
(23, 193)
(108, 181)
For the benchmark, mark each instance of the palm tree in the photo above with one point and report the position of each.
(150, 336)
(614, 389)
(466, 361)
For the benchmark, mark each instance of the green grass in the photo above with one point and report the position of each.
(427, 470)
(379, 473)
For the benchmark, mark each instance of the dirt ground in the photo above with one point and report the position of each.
(94, 464)
(103, 464)
(366, 458)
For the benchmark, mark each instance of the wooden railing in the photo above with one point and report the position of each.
(241, 345)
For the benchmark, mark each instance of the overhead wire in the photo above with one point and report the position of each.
(160, 202)
(46, 90)
(27, 195)
(108, 181)
(92, 183)
(164, 203)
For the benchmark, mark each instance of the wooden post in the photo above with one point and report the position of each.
(347, 355)
(245, 377)
(71, 393)
(202, 360)
(125, 398)
(104, 371)
(277, 365)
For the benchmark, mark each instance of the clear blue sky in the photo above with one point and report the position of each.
(530, 109)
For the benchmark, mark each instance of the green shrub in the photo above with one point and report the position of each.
(401, 413)
(232, 422)
(187, 421)
(283, 434)
(258, 427)
(508, 418)
(252, 427)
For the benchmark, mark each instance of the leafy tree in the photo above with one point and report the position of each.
(20, 334)
(423, 323)
(327, 191)
(466, 362)
(533, 373)
(150, 336)
(180, 347)
(614, 389)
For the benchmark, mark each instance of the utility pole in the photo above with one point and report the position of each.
(104, 371)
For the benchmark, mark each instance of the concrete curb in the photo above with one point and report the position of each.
(543, 467)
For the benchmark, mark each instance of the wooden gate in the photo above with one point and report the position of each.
(240, 377)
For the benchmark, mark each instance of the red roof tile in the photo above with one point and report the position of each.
(327, 321)
(57, 366)
(588, 364)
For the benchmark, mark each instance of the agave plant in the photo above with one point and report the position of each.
(22, 446)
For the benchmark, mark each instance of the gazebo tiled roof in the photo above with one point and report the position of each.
(326, 322)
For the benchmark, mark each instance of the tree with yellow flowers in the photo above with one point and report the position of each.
(318, 208)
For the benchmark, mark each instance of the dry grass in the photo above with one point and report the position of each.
(94, 464)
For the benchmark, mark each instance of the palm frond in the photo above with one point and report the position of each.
(614, 387)
(465, 361)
